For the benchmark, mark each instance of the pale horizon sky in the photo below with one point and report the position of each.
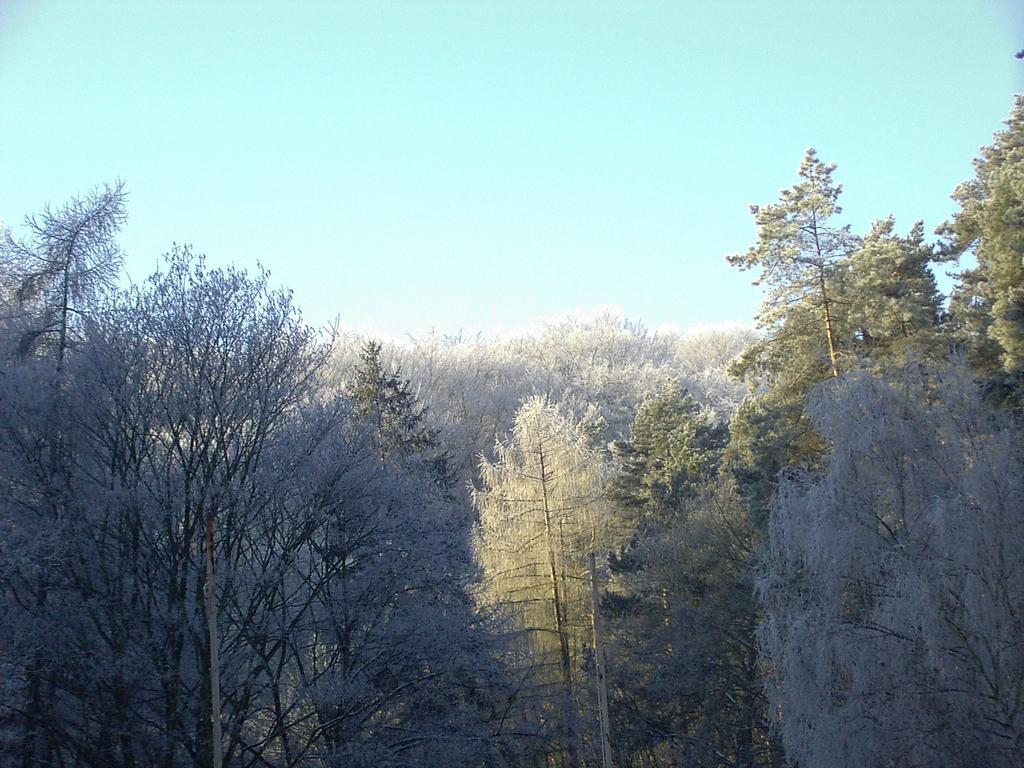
(483, 166)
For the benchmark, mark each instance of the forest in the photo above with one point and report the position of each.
(230, 539)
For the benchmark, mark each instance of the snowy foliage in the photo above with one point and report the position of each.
(601, 369)
(347, 632)
(542, 512)
(893, 585)
(70, 256)
(397, 534)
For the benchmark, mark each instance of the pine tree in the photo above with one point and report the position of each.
(798, 249)
(892, 305)
(674, 446)
(989, 306)
(869, 301)
(680, 603)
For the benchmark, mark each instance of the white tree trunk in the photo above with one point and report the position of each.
(211, 621)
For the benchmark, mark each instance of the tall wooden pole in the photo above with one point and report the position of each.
(602, 680)
(211, 621)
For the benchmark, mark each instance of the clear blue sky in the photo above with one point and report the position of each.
(484, 165)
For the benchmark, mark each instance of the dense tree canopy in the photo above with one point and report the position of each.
(223, 533)
(893, 584)
(990, 224)
(681, 608)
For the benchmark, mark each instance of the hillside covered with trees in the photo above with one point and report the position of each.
(230, 539)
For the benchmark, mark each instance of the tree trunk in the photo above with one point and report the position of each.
(62, 343)
(211, 620)
(826, 304)
(827, 309)
(602, 679)
(563, 640)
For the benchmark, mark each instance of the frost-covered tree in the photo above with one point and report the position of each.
(346, 626)
(893, 583)
(541, 515)
(48, 284)
(606, 366)
(69, 256)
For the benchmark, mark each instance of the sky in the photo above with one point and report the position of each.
(484, 166)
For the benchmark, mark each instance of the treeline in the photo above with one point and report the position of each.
(231, 539)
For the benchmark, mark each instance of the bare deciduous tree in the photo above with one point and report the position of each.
(541, 514)
(70, 256)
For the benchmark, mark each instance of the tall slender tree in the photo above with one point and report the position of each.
(52, 279)
(70, 255)
(797, 251)
(541, 514)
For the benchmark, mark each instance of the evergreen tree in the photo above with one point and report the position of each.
(989, 305)
(798, 249)
(674, 447)
(892, 305)
(680, 603)
(399, 419)
(868, 302)
(767, 432)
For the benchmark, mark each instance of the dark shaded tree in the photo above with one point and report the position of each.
(399, 419)
(346, 627)
(680, 603)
